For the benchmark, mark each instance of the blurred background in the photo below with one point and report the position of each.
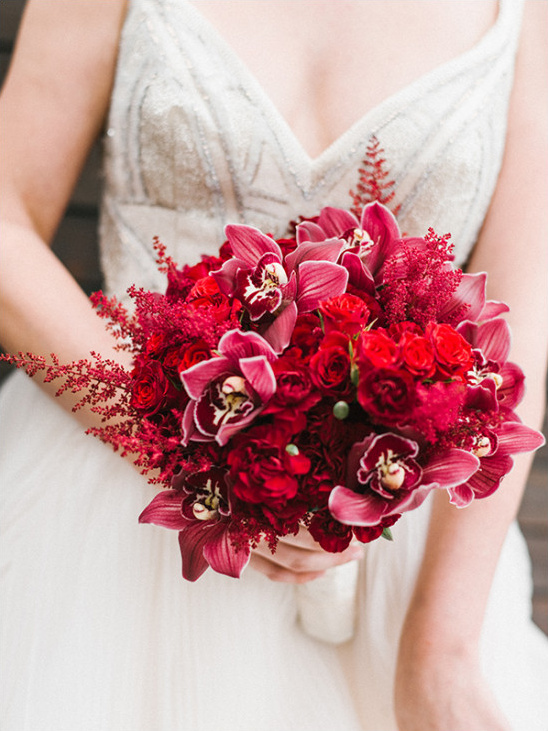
(76, 245)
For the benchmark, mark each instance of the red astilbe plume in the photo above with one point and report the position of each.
(419, 281)
(374, 183)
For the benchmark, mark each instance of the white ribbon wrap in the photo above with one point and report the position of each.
(327, 605)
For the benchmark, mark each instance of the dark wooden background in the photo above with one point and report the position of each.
(76, 244)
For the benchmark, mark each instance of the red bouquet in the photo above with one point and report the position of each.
(331, 379)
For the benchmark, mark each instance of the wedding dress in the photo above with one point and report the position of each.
(100, 632)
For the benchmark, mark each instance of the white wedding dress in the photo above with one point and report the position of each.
(100, 632)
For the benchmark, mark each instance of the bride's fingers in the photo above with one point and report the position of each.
(276, 572)
(301, 563)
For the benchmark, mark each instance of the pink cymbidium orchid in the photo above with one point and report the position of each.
(199, 509)
(227, 392)
(490, 341)
(267, 283)
(494, 450)
(384, 479)
(370, 241)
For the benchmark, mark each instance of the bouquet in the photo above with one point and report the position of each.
(331, 379)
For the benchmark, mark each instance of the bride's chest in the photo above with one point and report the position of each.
(326, 63)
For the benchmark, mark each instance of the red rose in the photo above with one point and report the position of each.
(149, 388)
(418, 355)
(262, 470)
(194, 353)
(387, 395)
(330, 366)
(377, 349)
(329, 533)
(294, 388)
(346, 313)
(306, 337)
(453, 353)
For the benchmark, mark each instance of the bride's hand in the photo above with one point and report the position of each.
(299, 558)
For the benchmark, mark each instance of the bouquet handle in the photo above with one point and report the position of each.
(327, 605)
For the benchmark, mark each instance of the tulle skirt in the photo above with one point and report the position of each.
(101, 633)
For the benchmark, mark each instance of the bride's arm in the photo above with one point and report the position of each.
(52, 108)
(438, 681)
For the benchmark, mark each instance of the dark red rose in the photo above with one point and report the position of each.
(377, 348)
(262, 470)
(417, 355)
(453, 353)
(306, 337)
(387, 395)
(330, 366)
(149, 388)
(346, 313)
(194, 353)
(294, 388)
(329, 533)
(399, 329)
(366, 534)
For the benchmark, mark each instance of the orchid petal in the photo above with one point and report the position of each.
(191, 543)
(350, 508)
(450, 468)
(278, 334)
(196, 378)
(336, 221)
(319, 280)
(310, 231)
(513, 385)
(226, 275)
(236, 344)
(258, 372)
(492, 308)
(224, 558)
(165, 510)
(382, 227)
(414, 499)
(487, 479)
(461, 495)
(514, 437)
(249, 244)
(359, 275)
(493, 338)
(327, 250)
(471, 292)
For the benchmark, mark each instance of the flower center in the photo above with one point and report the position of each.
(482, 446)
(232, 399)
(208, 505)
(391, 472)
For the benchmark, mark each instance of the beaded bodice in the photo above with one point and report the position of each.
(193, 143)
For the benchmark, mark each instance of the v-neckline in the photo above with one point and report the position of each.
(354, 132)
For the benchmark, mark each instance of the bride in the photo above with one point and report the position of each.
(257, 111)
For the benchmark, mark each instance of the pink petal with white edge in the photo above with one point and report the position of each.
(310, 231)
(327, 250)
(190, 427)
(225, 276)
(196, 378)
(236, 344)
(336, 221)
(461, 495)
(350, 508)
(359, 275)
(450, 468)
(165, 510)
(249, 244)
(224, 558)
(493, 337)
(492, 309)
(471, 292)
(318, 281)
(258, 372)
(278, 334)
(514, 437)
